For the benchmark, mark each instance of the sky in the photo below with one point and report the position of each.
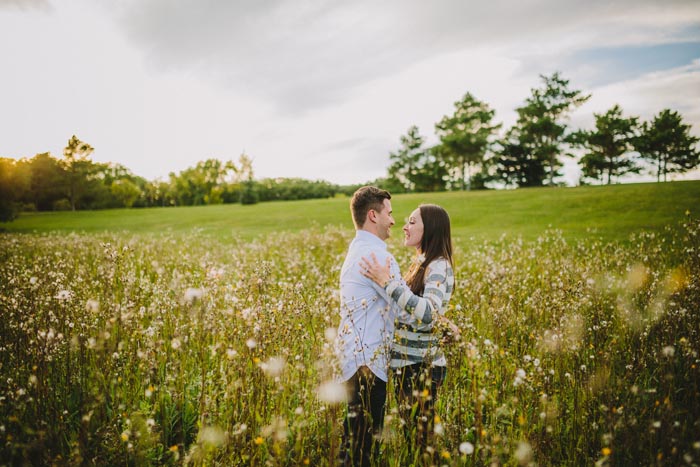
(321, 90)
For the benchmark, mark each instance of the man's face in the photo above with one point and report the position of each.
(384, 220)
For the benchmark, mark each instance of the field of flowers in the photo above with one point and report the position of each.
(167, 348)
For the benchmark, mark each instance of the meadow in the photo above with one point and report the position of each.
(208, 339)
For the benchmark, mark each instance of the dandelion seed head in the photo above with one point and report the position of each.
(523, 453)
(193, 294)
(63, 295)
(274, 366)
(668, 351)
(251, 343)
(175, 343)
(211, 436)
(92, 306)
(466, 448)
(332, 392)
(330, 334)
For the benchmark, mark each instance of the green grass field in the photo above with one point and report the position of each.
(205, 336)
(608, 212)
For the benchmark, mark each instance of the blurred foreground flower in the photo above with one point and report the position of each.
(332, 392)
(192, 295)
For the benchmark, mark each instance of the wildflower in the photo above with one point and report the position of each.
(173, 448)
(274, 366)
(523, 453)
(32, 280)
(149, 391)
(175, 343)
(330, 334)
(125, 435)
(606, 451)
(259, 440)
(192, 295)
(439, 429)
(231, 353)
(212, 436)
(466, 448)
(445, 455)
(92, 306)
(63, 295)
(332, 392)
(668, 351)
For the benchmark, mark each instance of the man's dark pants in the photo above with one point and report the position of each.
(364, 419)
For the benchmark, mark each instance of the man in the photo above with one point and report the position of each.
(366, 327)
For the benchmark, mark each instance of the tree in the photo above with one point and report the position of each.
(415, 168)
(14, 183)
(406, 161)
(608, 146)
(249, 194)
(202, 184)
(78, 169)
(666, 142)
(541, 121)
(125, 192)
(465, 137)
(47, 181)
(516, 164)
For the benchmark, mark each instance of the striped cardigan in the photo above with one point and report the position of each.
(414, 341)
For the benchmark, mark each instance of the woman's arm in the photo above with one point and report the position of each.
(425, 308)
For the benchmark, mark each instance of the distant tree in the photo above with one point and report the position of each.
(249, 194)
(666, 142)
(47, 181)
(609, 146)
(201, 184)
(13, 186)
(516, 163)
(78, 169)
(541, 122)
(415, 168)
(125, 192)
(406, 162)
(465, 137)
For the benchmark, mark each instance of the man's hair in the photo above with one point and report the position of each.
(364, 199)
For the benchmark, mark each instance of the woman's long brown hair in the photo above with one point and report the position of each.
(436, 243)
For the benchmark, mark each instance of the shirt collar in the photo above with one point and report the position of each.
(370, 238)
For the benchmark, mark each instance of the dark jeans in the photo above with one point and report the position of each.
(416, 392)
(364, 419)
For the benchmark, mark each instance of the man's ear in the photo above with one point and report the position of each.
(372, 215)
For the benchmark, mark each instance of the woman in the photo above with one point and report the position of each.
(418, 364)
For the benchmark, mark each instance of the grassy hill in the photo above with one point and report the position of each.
(611, 212)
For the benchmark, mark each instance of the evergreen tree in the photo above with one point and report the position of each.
(516, 164)
(465, 138)
(609, 146)
(541, 122)
(666, 143)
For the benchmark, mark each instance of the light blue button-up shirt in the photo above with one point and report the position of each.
(366, 329)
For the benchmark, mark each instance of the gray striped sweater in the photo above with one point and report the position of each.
(414, 340)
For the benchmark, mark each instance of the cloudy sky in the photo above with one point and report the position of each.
(319, 89)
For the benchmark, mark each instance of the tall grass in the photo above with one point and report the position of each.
(147, 349)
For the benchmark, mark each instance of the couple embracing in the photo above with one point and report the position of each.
(388, 320)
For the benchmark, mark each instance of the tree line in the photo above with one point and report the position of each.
(74, 182)
(472, 152)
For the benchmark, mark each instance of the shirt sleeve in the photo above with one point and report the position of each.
(423, 308)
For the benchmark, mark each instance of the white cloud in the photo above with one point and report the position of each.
(310, 89)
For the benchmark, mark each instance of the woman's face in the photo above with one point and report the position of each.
(413, 230)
